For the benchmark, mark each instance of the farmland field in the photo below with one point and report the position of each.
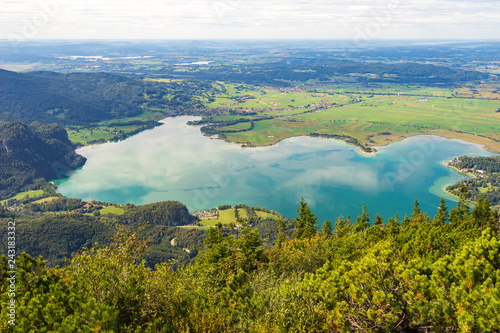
(22, 195)
(372, 116)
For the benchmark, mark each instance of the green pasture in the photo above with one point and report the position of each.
(227, 216)
(112, 210)
(265, 215)
(48, 199)
(401, 115)
(22, 195)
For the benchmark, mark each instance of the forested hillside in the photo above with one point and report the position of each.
(291, 71)
(31, 152)
(77, 98)
(52, 230)
(412, 275)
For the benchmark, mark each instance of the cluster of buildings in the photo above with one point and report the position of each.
(207, 214)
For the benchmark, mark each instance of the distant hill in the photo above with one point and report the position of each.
(31, 152)
(167, 213)
(75, 98)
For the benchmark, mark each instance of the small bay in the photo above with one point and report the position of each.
(176, 162)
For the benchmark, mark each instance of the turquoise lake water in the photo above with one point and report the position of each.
(176, 162)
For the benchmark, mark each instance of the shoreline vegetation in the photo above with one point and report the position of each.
(486, 144)
(445, 187)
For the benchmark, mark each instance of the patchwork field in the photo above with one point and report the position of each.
(373, 118)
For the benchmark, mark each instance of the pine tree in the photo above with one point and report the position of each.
(326, 232)
(363, 221)
(379, 221)
(442, 213)
(393, 224)
(416, 209)
(482, 214)
(342, 227)
(306, 221)
(406, 221)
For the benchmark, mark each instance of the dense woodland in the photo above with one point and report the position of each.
(61, 233)
(486, 180)
(29, 153)
(291, 71)
(414, 274)
(68, 98)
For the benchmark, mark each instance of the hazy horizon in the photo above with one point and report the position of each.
(249, 20)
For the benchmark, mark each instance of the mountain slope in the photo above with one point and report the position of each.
(30, 152)
(75, 98)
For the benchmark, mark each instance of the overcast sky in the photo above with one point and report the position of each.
(255, 19)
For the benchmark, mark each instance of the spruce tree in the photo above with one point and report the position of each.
(306, 221)
(379, 221)
(406, 221)
(362, 221)
(482, 214)
(326, 231)
(416, 209)
(442, 213)
(393, 224)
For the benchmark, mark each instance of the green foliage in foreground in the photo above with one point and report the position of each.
(417, 275)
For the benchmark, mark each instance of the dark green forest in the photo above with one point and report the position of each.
(30, 153)
(288, 72)
(68, 98)
(61, 233)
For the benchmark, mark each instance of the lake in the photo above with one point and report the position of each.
(176, 162)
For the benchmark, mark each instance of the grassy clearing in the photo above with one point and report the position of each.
(48, 199)
(22, 195)
(112, 210)
(265, 215)
(242, 213)
(225, 217)
(109, 130)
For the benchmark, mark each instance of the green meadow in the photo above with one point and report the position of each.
(108, 130)
(22, 195)
(374, 116)
(227, 216)
(112, 210)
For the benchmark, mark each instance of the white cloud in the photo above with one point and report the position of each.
(249, 18)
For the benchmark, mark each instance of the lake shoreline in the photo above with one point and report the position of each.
(483, 143)
(447, 164)
(202, 173)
